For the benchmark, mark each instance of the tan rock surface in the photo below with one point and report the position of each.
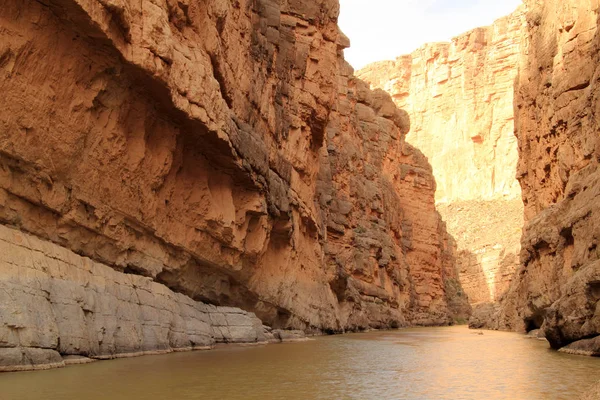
(559, 156)
(459, 97)
(487, 234)
(191, 143)
(57, 304)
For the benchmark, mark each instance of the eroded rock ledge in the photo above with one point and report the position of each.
(226, 151)
(57, 304)
(557, 287)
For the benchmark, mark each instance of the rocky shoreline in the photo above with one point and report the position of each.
(60, 308)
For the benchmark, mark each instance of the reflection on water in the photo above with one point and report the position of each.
(421, 363)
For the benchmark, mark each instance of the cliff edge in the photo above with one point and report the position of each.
(221, 150)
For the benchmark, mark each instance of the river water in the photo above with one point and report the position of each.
(420, 363)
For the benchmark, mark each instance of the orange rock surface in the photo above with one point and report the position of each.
(459, 96)
(224, 150)
(557, 97)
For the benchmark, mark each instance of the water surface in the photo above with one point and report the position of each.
(420, 363)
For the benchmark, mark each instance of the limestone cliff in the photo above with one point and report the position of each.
(558, 285)
(58, 304)
(223, 150)
(459, 96)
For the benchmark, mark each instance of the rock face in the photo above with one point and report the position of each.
(488, 234)
(57, 304)
(393, 257)
(459, 96)
(223, 150)
(558, 285)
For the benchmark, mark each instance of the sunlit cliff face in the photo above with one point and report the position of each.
(376, 34)
(223, 151)
(459, 96)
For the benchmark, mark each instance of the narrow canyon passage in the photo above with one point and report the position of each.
(511, 102)
(223, 152)
(179, 175)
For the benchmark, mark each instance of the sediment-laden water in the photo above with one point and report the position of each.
(421, 363)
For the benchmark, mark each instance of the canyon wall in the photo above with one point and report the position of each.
(222, 151)
(557, 125)
(57, 305)
(459, 96)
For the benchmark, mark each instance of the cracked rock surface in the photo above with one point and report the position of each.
(56, 304)
(224, 151)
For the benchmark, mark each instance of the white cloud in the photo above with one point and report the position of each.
(385, 29)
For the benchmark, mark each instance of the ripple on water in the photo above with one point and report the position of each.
(421, 363)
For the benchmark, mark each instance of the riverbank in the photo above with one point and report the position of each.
(412, 363)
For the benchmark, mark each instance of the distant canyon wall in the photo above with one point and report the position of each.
(225, 151)
(459, 96)
(557, 99)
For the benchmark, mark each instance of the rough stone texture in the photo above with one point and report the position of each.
(394, 260)
(482, 314)
(584, 347)
(56, 303)
(188, 141)
(487, 234)
(459, 96)
(558, 285)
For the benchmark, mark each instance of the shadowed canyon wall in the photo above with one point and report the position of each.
(222, 151)
(557, 98)
(459, 96)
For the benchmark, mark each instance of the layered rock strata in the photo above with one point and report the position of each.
(219, 149)
(487, 233)
(459, 96)
(558, 285)
(57, 304)
(394, 260)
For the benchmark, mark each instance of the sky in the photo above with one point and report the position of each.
(385, 29)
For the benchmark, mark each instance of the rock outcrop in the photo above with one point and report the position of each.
(225, 151)
(557, 97)
(488, 234)
(57, 304)
(384, 237)
(459, 96)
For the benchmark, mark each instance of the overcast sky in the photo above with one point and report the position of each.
(384, 29)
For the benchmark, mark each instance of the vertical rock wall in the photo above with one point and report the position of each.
(459, 97)
(393, 257)
(225, 151)
(558, 285)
